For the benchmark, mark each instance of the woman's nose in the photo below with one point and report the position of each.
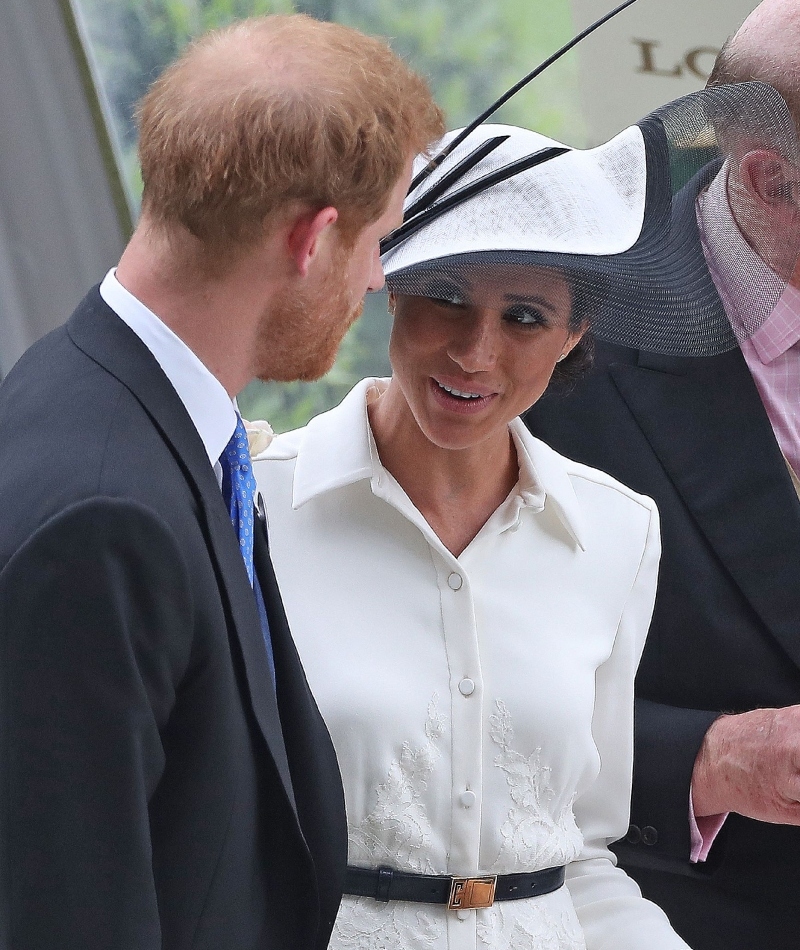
(474, 344)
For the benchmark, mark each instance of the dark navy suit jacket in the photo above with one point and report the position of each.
(693, 434)
(156, 790)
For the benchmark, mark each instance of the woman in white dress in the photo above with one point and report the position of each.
(470, 607)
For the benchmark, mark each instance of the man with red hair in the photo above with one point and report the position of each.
(166, 780)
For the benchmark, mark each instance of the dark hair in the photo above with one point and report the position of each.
(588, 296)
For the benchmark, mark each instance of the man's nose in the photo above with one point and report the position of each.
(376, 275)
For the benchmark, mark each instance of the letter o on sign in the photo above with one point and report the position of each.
(700, 61)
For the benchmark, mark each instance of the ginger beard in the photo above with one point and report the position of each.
(302, 335)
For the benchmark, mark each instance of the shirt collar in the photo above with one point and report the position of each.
(781, 330)
(337, 449)
(729, 257)
(208, 404)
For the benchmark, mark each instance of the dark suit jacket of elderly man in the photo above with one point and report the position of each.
(155, 792)
(693, 434)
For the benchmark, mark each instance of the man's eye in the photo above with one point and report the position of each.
(526, 316)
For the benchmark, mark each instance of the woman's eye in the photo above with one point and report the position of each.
(526, 316)
(451, 301)
(446, 295)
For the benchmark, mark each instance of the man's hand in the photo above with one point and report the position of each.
(750, 764)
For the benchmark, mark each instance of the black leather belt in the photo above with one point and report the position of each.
(459, 893)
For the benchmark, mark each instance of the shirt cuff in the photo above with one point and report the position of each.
(703, 832)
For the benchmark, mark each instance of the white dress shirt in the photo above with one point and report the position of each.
(209, 406)
(481, 706)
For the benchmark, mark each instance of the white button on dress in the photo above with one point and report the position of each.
(532, 770)
(466, 687)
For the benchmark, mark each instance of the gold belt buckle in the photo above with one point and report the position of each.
(471, 893)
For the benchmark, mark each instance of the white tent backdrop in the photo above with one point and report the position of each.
(653, 52)
(62, 214)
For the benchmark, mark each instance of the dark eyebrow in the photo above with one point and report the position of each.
(517, 298)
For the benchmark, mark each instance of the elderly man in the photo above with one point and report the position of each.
(716, 441)
(165, 778)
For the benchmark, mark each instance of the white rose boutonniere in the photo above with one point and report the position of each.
(259, 436)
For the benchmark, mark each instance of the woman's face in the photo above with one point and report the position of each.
(468, 359)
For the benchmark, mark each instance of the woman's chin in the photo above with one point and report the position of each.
(461, 432)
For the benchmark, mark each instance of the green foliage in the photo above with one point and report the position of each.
(471, 51)
(133, 40)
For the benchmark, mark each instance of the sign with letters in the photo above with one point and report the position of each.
(653, 52)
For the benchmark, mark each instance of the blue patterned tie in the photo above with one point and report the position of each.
(239, 490)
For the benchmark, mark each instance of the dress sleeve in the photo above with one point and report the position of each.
(610, 907)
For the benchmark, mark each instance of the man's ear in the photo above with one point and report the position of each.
(306, 236)
(767, 177)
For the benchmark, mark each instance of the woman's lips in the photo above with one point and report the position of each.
(464, 399)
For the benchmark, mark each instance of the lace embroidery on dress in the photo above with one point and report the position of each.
(534, 835)
(396, 832)
(545, 923)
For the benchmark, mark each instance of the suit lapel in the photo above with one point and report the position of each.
(320, 806)
(705, 421)
(99, 332)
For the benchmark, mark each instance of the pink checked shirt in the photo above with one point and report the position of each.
(771, 352)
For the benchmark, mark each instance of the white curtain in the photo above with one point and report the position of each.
(60, 228)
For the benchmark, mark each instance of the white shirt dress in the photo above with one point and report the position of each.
(481, 706)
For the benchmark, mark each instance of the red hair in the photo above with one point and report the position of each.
(278, 109)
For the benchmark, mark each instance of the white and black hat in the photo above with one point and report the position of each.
(619, 219)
